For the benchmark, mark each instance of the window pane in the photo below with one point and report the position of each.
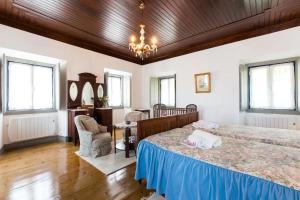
(19, 86)
(283, 86)
(164, 94)
(259, 97)
(272, 87)
(114, 91)
(167, 91)
(43, 87)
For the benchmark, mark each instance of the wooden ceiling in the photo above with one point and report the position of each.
(181, 26)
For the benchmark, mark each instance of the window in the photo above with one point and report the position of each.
(272, 86)
(163, 90)
(118, 89)
(30, 86)
(269, 87)
(167, 91)
(114, 84)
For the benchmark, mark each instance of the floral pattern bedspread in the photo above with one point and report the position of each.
(283, 137)
(279, 164)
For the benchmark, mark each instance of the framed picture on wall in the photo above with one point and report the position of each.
(203, 82)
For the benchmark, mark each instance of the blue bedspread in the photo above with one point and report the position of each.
(184, 178)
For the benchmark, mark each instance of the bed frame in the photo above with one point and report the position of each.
(153, 126)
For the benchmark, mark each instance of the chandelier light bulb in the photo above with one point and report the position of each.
(132, 38)
(154, 40)
(142, 49)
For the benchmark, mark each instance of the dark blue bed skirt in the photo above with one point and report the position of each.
(183, 178)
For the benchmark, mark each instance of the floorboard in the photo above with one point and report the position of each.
(53, 171)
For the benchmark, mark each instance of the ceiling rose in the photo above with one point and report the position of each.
(142, 49)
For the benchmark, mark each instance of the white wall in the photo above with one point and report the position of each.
(1, 132)
(222, 104)
(76, 60)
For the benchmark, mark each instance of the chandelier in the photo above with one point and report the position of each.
(142, 49)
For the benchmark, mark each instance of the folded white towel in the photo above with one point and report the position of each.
(205, 125)
(204, 140)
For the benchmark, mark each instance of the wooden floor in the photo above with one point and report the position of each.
(53, 171)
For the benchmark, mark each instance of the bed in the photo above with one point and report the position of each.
(244, 167)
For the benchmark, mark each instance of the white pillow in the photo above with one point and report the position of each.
(91, 125)
(205, 124)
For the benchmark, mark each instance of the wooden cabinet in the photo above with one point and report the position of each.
(72, 130)
(104, 116)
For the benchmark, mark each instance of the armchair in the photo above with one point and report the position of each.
(94, 139)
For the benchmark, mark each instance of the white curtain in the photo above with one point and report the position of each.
(29, 87)
(167, 91)
(119, 90)
(114, 90)
(272, 87)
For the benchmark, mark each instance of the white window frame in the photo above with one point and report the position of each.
(6, 61)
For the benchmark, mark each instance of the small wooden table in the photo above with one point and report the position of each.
(120, 145)
(145, 111)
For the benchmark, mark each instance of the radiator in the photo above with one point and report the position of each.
(271, 121)
(30, 127)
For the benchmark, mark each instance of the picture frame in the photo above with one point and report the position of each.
(203, 82)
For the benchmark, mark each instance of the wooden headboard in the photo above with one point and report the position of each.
(153, 126)
(186, 119)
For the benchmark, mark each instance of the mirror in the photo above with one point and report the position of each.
(73, 91)
(100, 91)
(87, 94)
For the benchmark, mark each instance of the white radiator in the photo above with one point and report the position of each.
(271, 121)
(32, 126)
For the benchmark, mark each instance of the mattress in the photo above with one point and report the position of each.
(282, 137)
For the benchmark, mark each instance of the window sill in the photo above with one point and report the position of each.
(29, 112)
(268, 111)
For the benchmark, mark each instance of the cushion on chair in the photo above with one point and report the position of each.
(99, 148)
(101, 144)
(103, 137)
(102, 129)
(91, 125)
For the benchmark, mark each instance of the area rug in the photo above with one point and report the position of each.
(153, 196)
(110, 163)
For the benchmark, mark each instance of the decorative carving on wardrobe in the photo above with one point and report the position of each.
(83, 79)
